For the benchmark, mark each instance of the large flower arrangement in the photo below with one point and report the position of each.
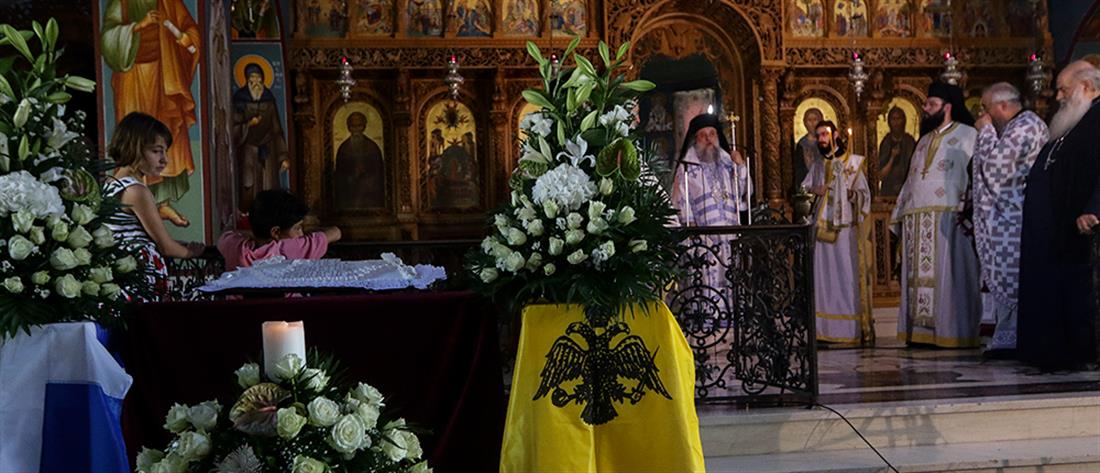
(301, 419)
(58, 261)
(587, 221)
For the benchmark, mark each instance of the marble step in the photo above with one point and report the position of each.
(898, 425)
(1076, 455)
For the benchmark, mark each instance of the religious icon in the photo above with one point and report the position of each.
(894, 18)
(978, 18)
(425, 18)
(323, 18)
(974, 104)
(807, 115)
(452, 180)
(145, 46)
(569, 17)
(257, 19)
(897, 131)
(372, 17)
(851, 17)
(472, 17)
(807, 18)
(521, 17)
(359, 165)
(258, 136)
(936, 18)
(1021, 18)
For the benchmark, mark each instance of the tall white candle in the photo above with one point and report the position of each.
(281, 339)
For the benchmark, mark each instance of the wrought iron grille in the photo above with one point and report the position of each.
(745, 304)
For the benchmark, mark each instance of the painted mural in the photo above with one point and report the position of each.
(1020, 16)
(425, 17)
(472, 17)
(850, 18)
(371, 17)
(358, 177)
(894, 18)
(452, 180)
(898, 129)
(936, 18)
(322, 18)
(259, 120)
(978, 19)
(254, 19)
(152, 63)
(521, 17)
(807, 18)
(569, 17)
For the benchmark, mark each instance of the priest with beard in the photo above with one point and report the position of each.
(1056, 326)
(711, 185)
(842, 289)
(940, 303)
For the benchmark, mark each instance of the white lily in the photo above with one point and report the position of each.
(59, 135)
(575, 152)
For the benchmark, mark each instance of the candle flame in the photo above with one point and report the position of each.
(849, 132)
(710, 108)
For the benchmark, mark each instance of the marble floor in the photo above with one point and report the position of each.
(893, 372)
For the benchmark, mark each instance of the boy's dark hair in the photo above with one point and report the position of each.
(132, 134)
(275, 208)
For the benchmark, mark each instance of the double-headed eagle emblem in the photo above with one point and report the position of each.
(599, 368)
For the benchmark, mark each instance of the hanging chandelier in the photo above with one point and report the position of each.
(1036, 74)
(453, 79)
(951, 73)
(345, 81)
(857, 75)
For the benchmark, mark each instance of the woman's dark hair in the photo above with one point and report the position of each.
(275, 208)
(136, 131)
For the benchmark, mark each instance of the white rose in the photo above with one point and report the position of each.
(577, 257)
(40, 277)
(534, 261)
(395, 446)
(369, 394)
(608, 249)
(515, 236)
(574, 220)
(110, 290)
(103, 237)
(172, 463)
(37, 235)
(606, 186)
(126, 264)
(147, 458)
(514, 262)
(535, 228)
(22, 221)
(79, 237)
(348, 435)
(549, 269)
(101, 274)
(82, 214)
(63, 259)
(304, 464)
(626, 215)
(288, 422)
(204, 416)
(316, 379)
(13, 284)
(500, 221)
(193, 446)
(67, 286)
(595, 209)
(366, 412)
(550, 209)
(59, 231)
(248, 375)
(556, 245)
(288, 367)
(19, 248)
(487, 245)
(90, 288)
(83, 256)
(421, 467)
(638, 245)
(176, 420)
(596, 226)
(526, 214)
(572, 237)
(323, 412)
(488, 275)
(412, 444)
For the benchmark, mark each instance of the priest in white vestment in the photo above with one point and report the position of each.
(940, 302)
(842, 297)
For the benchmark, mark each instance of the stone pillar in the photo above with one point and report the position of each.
(773, 175)
(499, 168)
(403, 137)
(786, 132)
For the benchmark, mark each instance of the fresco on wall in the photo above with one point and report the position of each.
(322, 18)
(569, 17)
(521, 17)
(898, 129)
(936, 18)
(452, 180)
(254, 19)
(152, 63)
(425, 17)
(894, 18)
(371, 17)
(807, 18)
(851, 18)
(259, 120)
(978, 19)
(1021, 17)
(359, 160)
(472, 17)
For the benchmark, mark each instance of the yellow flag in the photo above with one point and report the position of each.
(614, 399)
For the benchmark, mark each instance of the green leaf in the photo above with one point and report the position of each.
(574, 77)
(561, 132)
(24, 148)
(59, 97)
(538, 97)
(38, 31)
(584, 92)
(589, 120)
(6, 64)
(623, 49)
(51, 34)
(605, 54)
(570, 100)
(544, 148)
(5, 87)
(596, 138)
(533, 51)
(639, 85)
(572, 45)
(584, 63)
(17, 41)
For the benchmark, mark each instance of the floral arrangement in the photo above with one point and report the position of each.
(301, 420)
(588, 220)
(58, 260)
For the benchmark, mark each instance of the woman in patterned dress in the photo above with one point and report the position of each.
(138, 148)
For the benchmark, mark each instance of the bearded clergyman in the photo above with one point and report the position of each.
(1056, 326)
(711, 184)
(842, 297)
(1009, 140)
(940, 303)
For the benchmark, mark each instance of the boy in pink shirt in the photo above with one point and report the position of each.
(276, 220)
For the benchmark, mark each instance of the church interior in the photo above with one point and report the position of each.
(401, 123)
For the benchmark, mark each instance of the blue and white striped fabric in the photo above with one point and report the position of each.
(60, 402)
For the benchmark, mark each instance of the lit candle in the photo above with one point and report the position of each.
(281, 339)
(849, 132)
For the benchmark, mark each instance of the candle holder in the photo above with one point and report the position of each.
(857, 75)
(453, 79)
(1036, 74)
(951, 73)
(345, 81)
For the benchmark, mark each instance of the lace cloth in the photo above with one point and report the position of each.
(387, 273)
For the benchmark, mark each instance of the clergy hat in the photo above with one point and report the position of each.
(704, 120)
(953, 95)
